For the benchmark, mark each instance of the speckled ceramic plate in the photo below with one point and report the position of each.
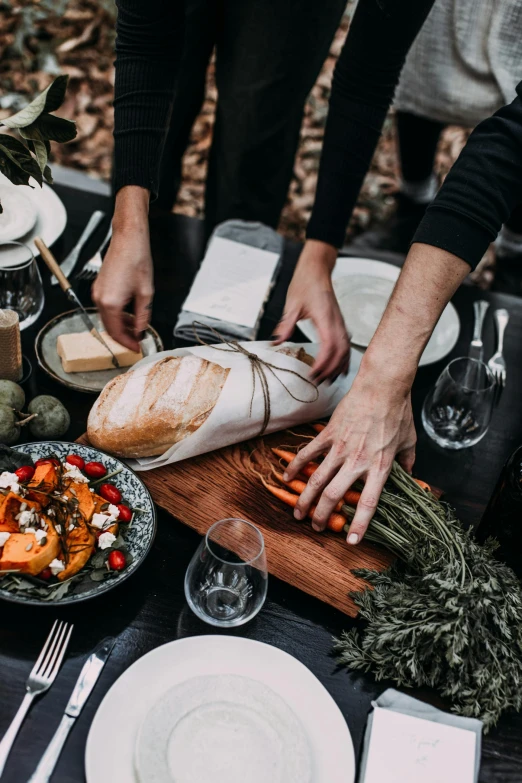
(92, 382)
(138, 535)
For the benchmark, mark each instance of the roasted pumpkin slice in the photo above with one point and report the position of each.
(46, 479)
(80, 545)
(12, 506)
(84, 496)
(17, 554)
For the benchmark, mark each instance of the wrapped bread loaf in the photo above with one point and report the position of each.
(144, 412)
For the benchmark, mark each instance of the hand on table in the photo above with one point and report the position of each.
(126, 277)
(371, 426)
(311, 295)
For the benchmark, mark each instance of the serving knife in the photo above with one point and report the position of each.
(85, 683)
(66, 287)
(476, 349)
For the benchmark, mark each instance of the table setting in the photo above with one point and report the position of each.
(215, 636)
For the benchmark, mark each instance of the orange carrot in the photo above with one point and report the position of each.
(300, 486)
(336, 522)
(422, 484)
(318, 426)
(352, 497)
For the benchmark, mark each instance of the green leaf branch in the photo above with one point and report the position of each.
(21, 159)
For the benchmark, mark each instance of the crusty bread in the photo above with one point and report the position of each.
(146, 411)
(297, 353)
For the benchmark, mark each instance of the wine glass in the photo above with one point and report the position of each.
(226, 581)
(457, 412)
(21, 286)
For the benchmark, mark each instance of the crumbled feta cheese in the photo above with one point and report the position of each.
(100, 520)
(4, 537)
(9, 481)
(30, 530)
(39, 534)
(58, 529)
(106, 540)
(91, 489)
(74, 473)
(56, 566)
(25, 518)
(113, 511)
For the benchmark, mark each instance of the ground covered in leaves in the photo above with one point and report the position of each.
(40, 39)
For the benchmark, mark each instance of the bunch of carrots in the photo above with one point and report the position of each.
(289, 491)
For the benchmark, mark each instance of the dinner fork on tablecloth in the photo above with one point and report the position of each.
(497, 363)
(41, 678)
(93, 266)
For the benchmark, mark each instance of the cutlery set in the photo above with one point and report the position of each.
(91, 268)
(42, 676)
(497, 363)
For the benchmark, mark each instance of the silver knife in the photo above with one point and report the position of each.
(476, 349)
(85, 683)
(66, 287)
(69, 263)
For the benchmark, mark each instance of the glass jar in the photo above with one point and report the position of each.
(503, 516)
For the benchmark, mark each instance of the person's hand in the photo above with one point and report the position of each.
(127, 277)
(311, 295)
(371, 426)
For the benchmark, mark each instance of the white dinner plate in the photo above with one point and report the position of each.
(18, 214)
(363, 287)
(51, 216)
(121, 714)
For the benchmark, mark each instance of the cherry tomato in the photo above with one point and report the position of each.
(75, 459)
(125, 514)
(117, 561)
(46, 573)
(110, 492)
(95, 470)
(25, 473)
(46, 461)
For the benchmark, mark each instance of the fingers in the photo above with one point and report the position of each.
(315, 486)
(406, 458)
(142, 312)
(334, 492)
(367, 505)
(315, 448)
(333, 356)
(116, 324)
(285, 328)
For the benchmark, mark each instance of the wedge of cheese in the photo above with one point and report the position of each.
(82, 352)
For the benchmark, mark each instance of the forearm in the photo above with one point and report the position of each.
(427, 282)
(148, 50)
(131, 210)
(365, 78)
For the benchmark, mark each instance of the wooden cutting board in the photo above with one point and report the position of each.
(215, 486)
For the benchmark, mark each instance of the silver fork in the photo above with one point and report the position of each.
(93, 266)
(40, 680)
(70, 262)
(497, 363)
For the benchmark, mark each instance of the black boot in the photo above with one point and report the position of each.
(397, 232)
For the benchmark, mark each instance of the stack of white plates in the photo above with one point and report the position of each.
(219, 709)
(30, 212)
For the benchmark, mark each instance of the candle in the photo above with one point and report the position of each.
(10, 346)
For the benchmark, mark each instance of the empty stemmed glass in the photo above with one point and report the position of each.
(21, 286)
(226, 581)
(457, 412)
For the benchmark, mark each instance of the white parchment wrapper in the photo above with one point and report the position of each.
(230, 421)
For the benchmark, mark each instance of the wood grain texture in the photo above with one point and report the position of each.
(202, 490)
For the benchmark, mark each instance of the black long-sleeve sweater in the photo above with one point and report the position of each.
(478, 195)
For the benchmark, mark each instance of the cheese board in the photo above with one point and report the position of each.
(204, 489)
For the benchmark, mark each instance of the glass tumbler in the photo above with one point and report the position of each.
(21, 286)
(226, 581)
(457, 412)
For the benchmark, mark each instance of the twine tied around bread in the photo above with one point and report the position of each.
(259, 368)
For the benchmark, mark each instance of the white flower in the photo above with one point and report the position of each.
(30, 530)
(56, 566)
(9, 481)
(4, 537)
(39, 534)
(106, 540)
(74, 473)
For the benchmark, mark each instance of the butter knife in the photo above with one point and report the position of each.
(85, 683)
(66, 287)
(476, 349)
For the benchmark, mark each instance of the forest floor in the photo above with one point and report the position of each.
(40, 39)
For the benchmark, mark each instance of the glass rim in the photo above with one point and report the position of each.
(245, 522)
(489, 374)
(22, 264)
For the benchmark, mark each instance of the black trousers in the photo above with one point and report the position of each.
(268, 56)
